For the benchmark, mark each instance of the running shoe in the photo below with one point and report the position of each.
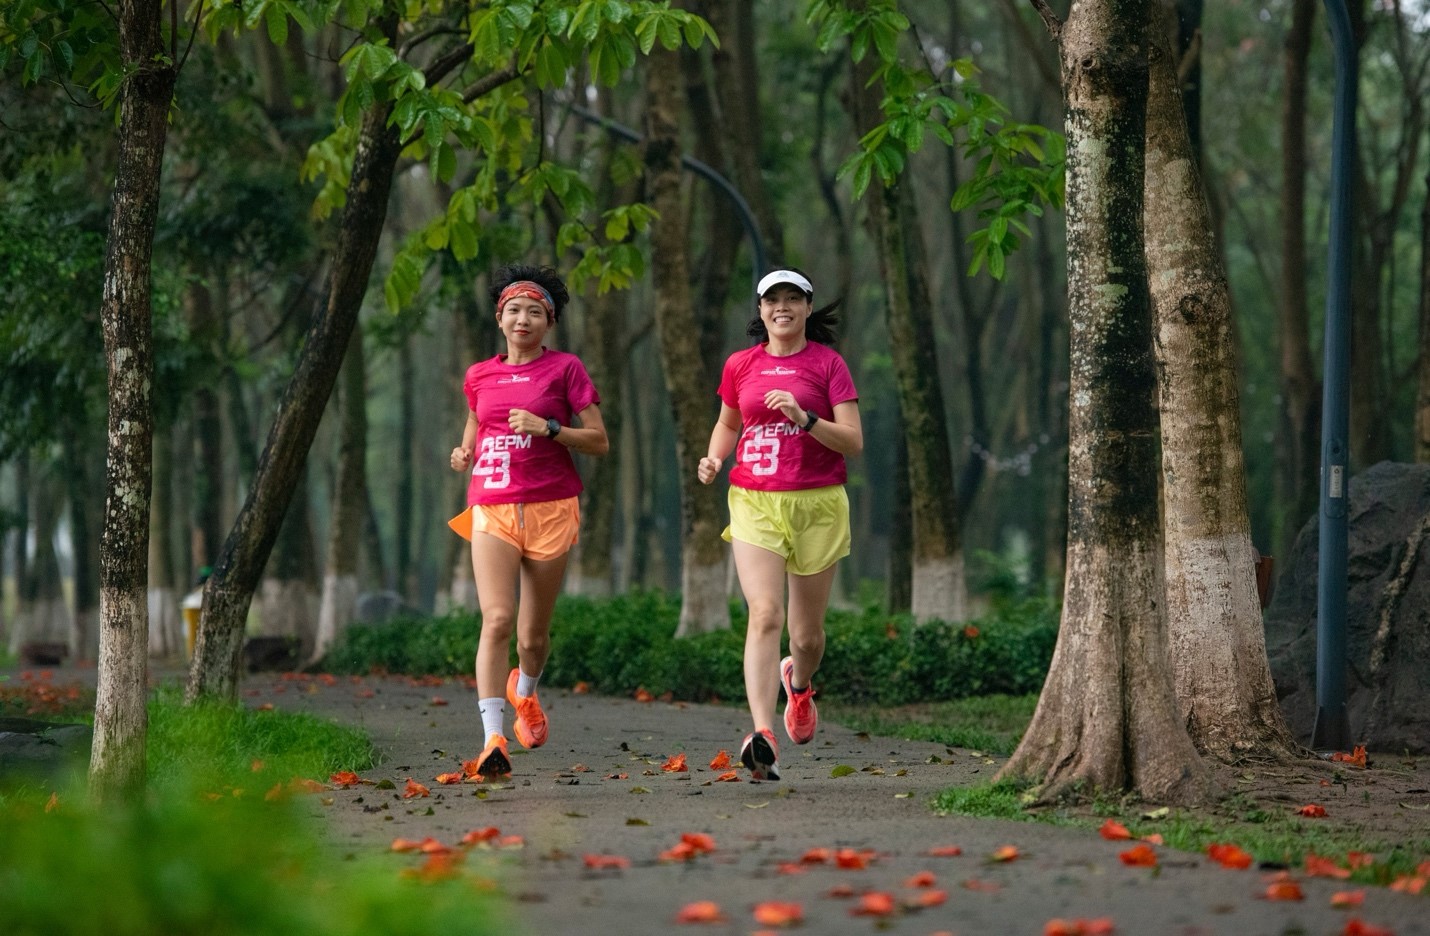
(801, 717)
(530, 726)
(494, 761)
(760, 754)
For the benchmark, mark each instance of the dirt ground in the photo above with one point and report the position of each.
(598, 789)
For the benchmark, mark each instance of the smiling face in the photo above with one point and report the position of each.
(524, 322)
(784, 310)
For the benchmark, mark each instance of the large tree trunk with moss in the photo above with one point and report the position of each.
(703, 606)
(1222, 679)
(229, 593)
(1107, 718)
(340, 577)
(1298, 446)
(938, 589)
(117, 757)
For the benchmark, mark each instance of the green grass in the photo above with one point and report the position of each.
(1275, 839)
(209, 853)
(992, 724)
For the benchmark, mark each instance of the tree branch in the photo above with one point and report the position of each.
(444, 64)
(1189, 58)
(1049, 18)
(491, 82)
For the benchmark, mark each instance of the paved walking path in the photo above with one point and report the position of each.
(597, 788)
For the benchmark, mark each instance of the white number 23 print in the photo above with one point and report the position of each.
(762, 454)
(495, 467)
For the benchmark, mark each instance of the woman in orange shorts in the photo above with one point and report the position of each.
(790, 414)
(522, 516)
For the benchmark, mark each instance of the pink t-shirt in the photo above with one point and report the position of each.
(772, 453)
(522, 469)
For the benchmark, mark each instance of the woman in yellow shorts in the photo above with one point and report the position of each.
(522, 516)
(790, 413)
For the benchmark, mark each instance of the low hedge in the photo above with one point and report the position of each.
(622, 644)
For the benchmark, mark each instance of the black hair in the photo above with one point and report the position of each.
(821, 326)
(545, 277)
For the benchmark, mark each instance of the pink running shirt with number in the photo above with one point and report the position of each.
(773, 454)
(523, 469)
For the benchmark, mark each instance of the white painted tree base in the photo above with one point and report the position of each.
(704, 605)
(940, 592)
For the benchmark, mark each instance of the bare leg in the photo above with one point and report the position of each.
(808, 600)
(540, 586)
(762, 579)
(495, 564)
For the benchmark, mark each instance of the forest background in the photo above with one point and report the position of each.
(251, 215)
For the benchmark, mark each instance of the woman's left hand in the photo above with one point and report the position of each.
(784, 401)
(525, 422)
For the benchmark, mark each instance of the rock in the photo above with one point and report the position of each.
(42, 751)
(1387, 615)
(280, 654)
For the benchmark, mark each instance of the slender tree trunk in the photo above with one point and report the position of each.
(1298, 448)
(406, 470)
(939, 590)
(633, 488)
(1219, 665)
(42, 617)
(703, 555)
(165, 627)
(604, 359)
(901, 529)
(208, 434)
(1422, 400)
(1107, 717)
(214, 671)
(340, 578)
(84, 547)
(289, 595)
(117, 758)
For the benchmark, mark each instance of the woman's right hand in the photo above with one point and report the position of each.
(461, 459)
(707, 470)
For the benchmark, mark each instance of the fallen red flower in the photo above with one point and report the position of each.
(701, 911)
(1312, 811)
(790, 867)
(729, 776)
(922, 879)
(1006, 853)
(414, 789)
(1357, 927)
(840, 890)
(477, 836)
(1316, 866)
(643, 696)
(1114, 831)
(1141, 856)
(447, 779)
(1283, 890)
(345, 779)
(817, 856)
(945, 851)
(606, 862)
(1344, 899)
(1100, 926)
(720, 761)
(927, 898)
(581, 688)
(1359, 859)
(874, 903)
(1229, 856)
(437, 867)
(779, 913)
(1356, 758)
(852, 860)
(675, 764)
(1408, 884)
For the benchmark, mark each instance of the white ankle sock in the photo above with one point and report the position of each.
(492, 717)
(526, 685)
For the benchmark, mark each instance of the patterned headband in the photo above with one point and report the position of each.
(526, 289)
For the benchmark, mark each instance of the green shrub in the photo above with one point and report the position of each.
(622, 644)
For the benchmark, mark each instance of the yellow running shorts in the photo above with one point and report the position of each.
(809, 528)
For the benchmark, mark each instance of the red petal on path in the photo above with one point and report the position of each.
(1312, 811)
(720, 761)
(779, 913)
(1114, 831)
(1139, 856)
(1228, 856)
(701, 911)
(874, 903)
(1343, 899)
(945, 851)
(1006, 853)
(414, 789)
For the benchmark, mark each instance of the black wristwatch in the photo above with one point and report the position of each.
(812, 420)
(553, 428)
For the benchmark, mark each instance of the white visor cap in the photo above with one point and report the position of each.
(783, 276)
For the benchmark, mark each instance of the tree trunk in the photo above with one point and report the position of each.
(1298, 452)
(603, 355)
(340, 578)
(703, 606)
(166, 639)
(406, 471)
(1220, 671)
(899, 596)
(214, 671)
(738, 82)
(117, 758)
(42, 616)
(1422, 400)
(939, 590)
(208, 434)
(289, 596)
(84, 643)
(1107, 718)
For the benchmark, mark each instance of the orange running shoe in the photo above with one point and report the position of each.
(801, 717)
(494, 761)
(760, 754)
(530, 725)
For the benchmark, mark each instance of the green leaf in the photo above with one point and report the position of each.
(996, 259)
(646, 33)
(446, 162)
(843, 770)
(277, 24)
(463, 240)
(997, 230)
